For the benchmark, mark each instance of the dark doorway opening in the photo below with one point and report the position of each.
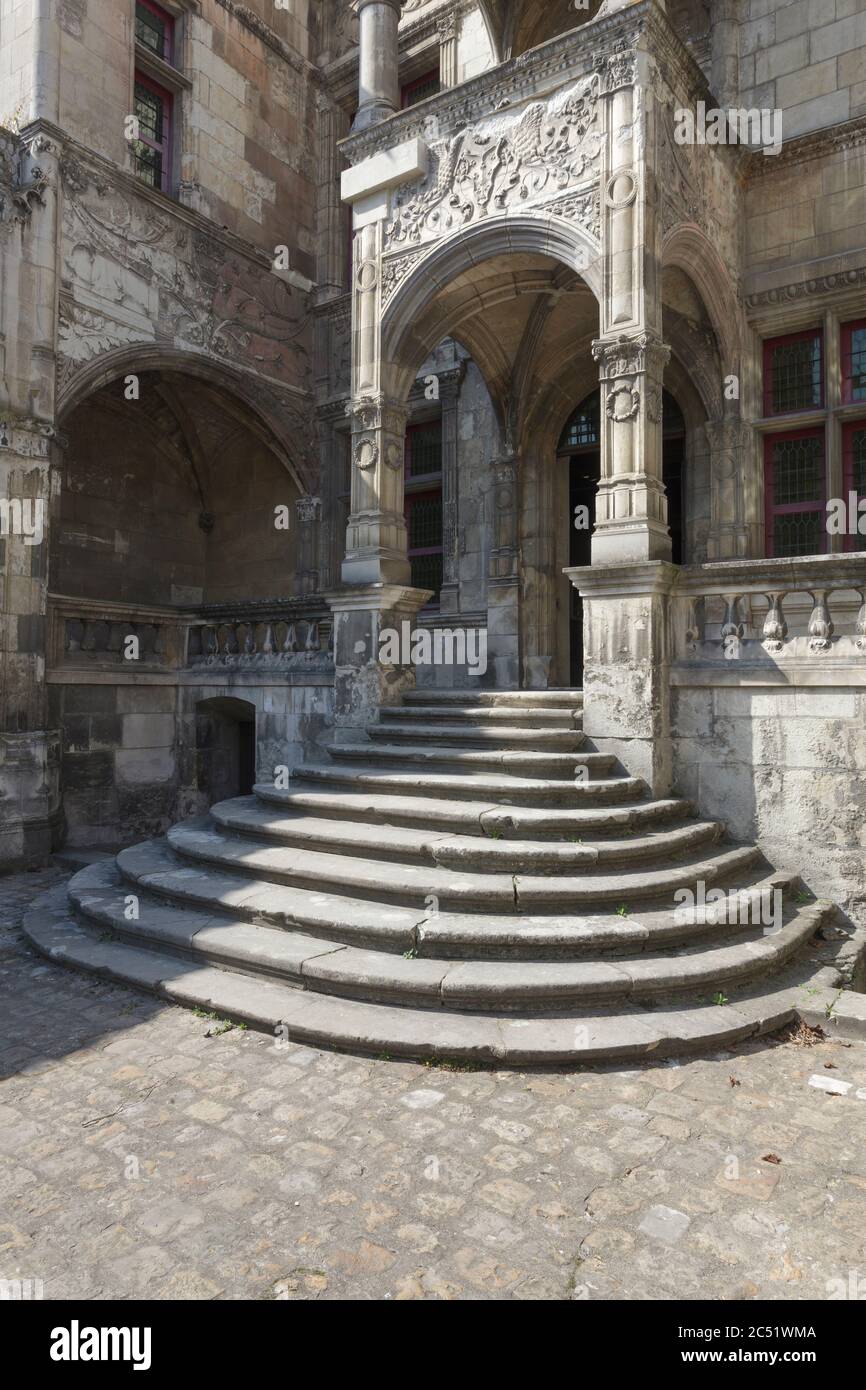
(225, 744)
(580, 448)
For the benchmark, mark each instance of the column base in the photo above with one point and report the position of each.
(363, 682)
(626, 683)
(622, 544)
(31, 816)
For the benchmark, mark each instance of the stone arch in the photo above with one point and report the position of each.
(691, 251)
(268, 414)
(404, 344)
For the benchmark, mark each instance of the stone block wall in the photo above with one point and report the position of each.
(783, 767)
(129, 757)
(806, 58)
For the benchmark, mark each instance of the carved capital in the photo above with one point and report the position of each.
(643, 354)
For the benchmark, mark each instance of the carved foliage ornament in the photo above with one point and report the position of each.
(525, 156)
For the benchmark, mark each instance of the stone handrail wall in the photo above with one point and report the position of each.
(801, 608)
(280, 633)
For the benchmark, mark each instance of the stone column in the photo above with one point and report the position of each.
(631, 509)
(308, 511)
(627, 648)
(731, 525)
(447, 27)
(449, 396)
(503, 589)
(30, 818)
(379, 79)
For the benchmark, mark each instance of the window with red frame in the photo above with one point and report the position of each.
(794, 373)
(154, 29)
(854, 362)
(854, 462)
(795, 493)
(151, 152)
(423, 475)
(420, 89)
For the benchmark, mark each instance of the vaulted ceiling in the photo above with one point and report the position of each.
(518, 25)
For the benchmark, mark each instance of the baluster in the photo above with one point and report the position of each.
(268, 640)
(230, 646)
(695, 622)
(312, 642)
(250, 640)
(775, 625)
(860, 626)
(821, 625)
(733, 627)
(291, 643)
(74, 634)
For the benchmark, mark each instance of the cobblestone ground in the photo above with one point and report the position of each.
(149, 1152)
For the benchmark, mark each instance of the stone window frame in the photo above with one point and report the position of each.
(155, 71)
(848, 429)
(832, 315)
(800, 336)
(773, 509)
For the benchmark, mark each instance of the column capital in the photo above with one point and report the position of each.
(630, 355)
(396, 5)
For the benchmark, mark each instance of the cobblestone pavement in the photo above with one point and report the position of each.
(149, 1152)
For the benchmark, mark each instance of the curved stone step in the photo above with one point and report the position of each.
(493, 716)
(475, 817)
(520, 699)
(245, 816)
(303, 1016)
(154, 868)
(199, 840)
(324, 966)
(465, 785)
(505, 737)
(556, 766)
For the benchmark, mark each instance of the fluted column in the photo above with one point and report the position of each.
(379, 80)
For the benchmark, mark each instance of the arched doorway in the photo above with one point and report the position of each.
(225, 747)
(578, 474)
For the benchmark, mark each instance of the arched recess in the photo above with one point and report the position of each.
(420, 313)
(277, 422)
(515, 26)
(170, 490)
(691, 251)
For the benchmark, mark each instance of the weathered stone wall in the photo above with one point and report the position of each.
(785, 768)
(129, 759)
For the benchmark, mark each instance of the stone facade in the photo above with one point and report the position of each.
(207, 385)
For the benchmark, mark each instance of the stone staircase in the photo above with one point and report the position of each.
(453, 888)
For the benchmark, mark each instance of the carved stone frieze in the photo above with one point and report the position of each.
(394, 272)
(526, 156)
(631, 356)
(132, 272)
(808, 289)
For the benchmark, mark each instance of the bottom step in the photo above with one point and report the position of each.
(377, 1029)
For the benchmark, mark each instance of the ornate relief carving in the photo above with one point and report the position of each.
(22, 180)
(529, 156)
(617, 68)
(623, 403)
(823, 284)
(629, 357)
(394, 272)
(137, 274)
(582, 208)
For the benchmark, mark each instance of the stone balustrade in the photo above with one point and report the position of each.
(749, 610)
(285, 633)
(87, 633)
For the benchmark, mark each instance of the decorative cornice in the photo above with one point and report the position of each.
(803, 148)
(807, 289)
